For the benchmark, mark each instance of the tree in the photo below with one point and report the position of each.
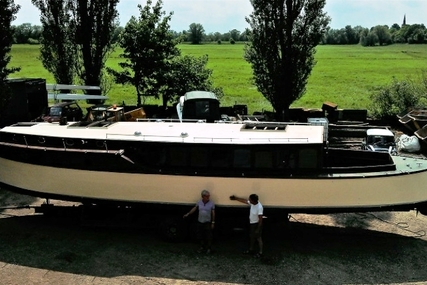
(23, 33)
(418, 37)
(283, 37)
(368, 38)
(95, 22)
(217, 36)
(410, 34)
(187, 73)
(383, 35)
(234, 35)
(416, 34)
(58, 52)
(148, 45)
(244, 36)
(116, 35)
(196, 33)
(225, 37)
(184, 35)
(395, 26)
(8, 11)
(76, 38)
(358, 31)
(352, 37)
(36, 33)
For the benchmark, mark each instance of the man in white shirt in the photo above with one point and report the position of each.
(255, 221)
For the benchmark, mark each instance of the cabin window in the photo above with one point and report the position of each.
(286, 159)
(7, 137)
(199, 157)
(220, 158)
(202, 108)
(55, 111)
(150, 155)
(161, 154)
(19, 139)
(308, 158)
(263, 159)
(242, 158)
(177, 156)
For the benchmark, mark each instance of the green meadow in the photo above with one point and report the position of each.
(345, 75)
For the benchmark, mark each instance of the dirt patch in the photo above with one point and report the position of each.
(368, 248)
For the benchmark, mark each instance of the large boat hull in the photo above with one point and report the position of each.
(330, 193)
(168, 163)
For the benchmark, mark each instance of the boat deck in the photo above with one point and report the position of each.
(178, 132)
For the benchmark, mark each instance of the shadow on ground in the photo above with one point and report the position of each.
(297, 254)
(11, 199)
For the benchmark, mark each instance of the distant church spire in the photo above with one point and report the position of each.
(404, 20)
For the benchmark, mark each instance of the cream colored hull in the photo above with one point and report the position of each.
(332, 192)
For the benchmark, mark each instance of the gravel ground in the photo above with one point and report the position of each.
(357, 248)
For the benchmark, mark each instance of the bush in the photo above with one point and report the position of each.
(219, 42)
(396, 98)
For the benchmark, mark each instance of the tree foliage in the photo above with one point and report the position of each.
(8, 11)
(95, 22)
(57, 47)
(383, 34)
(196, 33)
(413, 34)
(76, 38)
(153, 61)
(235, 35)
(25, 33)
(399, 97)
(368, 38)
(187, 73)
(148, 46)
(283, 37)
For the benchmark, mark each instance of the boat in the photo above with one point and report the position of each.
(163, 163)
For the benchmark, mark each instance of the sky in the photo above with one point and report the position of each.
(225, 15)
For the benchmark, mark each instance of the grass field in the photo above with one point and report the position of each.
(345, 75)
